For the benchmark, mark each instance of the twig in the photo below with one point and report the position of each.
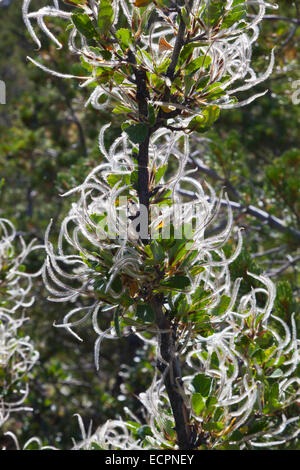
(259, 214)
(291, 262)
(173, 377)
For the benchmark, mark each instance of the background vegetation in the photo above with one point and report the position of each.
(48, 143)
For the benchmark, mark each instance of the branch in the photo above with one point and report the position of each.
(142, 96)
(259, 214)
(177, 48)
(269, 252)
(279, 18)
(171, 371)
(290, 262)
(214, 175)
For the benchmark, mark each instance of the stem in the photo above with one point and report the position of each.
(179, 43)
(143, 175)
(142, 95)
(177, 48)
(171, 371)
(170, 368)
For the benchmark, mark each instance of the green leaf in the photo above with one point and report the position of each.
(214, 12)
(145, 313)
(97, 218)
(185, 16)
(276, 374)
(84, 25)
(258, 426)
(162, 67)
(188, 259)
(117, 284)
(187, 51)
(202, 83)
(198, 403)
(120, 109)
(131, 322)
(196, 269)
(113, 179)
(84, 64)
(196, 64)
(33, 446)
(124, 36)
(188, 84)
(99, 284)
(236, 435)
(160, 173)
(104, 75)
(181, 305)
(105, 17)
(223, 305)
(168, 426)
(177, 251)
(205, 120)
(151, 114)
(144, 431)
(237, 12)
(158, 252)
(273, 396)
(148, 251)
(97, 50)
(200, 297)
(96, 446)
(177, 282)
(200, 319)
(210, 404)
(134, 179)
(137, 133)
(202, 384)
(214, 426)
(214, 91)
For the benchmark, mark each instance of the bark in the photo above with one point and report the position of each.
(170, 366)
(171, 371)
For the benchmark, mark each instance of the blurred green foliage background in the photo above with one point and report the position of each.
(48, 144)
